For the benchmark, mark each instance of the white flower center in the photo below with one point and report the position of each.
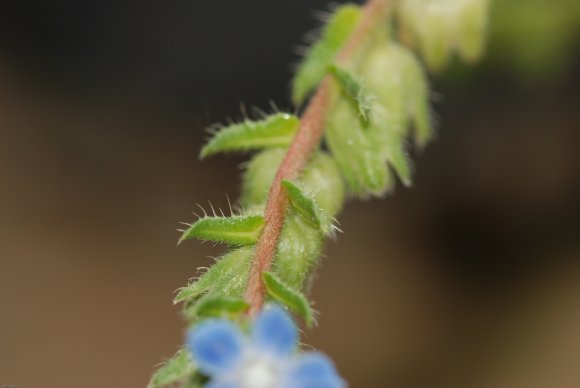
(259, 373)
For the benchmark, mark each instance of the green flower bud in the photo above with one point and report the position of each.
(298, 252)
(322, 180)
(438, 27)
(258, 177)
(473, 29)
(357, 155)
(397, 81)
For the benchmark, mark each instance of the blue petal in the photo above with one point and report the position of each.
(313, 370)
(274, 332)
(216, 346)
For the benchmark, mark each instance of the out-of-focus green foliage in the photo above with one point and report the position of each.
(176, 370)
(537, 39)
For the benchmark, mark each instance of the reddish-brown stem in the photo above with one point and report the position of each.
(304, 144)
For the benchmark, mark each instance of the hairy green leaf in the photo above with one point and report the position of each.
(228, 276)
(216, 306)
(322, 53)
(306, 206)
(289, 297)
(175, 371)
(353, 89)
(234, 230)
(274, 131)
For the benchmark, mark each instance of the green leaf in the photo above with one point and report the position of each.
(306, 207)
(353, 89)
(228, 276)
(217, 306)
(275, 131)
(289, 297)
(176, 370)
(235, 230)
(322, 53)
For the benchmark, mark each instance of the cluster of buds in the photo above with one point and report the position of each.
(437, 27)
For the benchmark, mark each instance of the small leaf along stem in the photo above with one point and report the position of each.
(305, 142)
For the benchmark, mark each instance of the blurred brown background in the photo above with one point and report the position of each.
(470, 279)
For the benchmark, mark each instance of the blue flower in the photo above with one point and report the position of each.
(266, 358)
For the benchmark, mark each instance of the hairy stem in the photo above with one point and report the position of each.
(305, 142)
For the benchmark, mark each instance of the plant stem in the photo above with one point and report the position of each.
(304, 144)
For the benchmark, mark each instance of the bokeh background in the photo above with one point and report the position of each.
(469, 279)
